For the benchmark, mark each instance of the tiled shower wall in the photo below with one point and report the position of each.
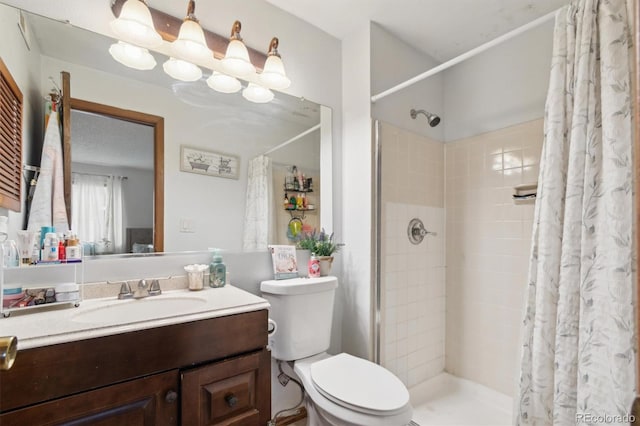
(487, 249)
(412, 280)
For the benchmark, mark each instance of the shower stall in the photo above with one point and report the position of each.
(464, 251)
(452, 256)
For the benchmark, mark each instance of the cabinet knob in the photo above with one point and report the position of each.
(231, 399)
(171, 397)
(8, 351)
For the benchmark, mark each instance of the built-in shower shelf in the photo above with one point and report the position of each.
(525, 193)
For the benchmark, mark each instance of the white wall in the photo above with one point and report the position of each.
(356, 196)
(24, 66)
(501, 87)
(393, 62)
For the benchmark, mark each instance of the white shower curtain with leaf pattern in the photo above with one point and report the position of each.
(258, 214)
(578, 354)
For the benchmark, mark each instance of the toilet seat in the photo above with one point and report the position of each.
(359, 385)
(344, 413)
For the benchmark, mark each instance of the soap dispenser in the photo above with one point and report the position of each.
(217, 271)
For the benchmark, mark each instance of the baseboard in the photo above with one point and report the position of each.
(289, 420)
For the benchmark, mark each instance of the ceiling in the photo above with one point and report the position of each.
(442, 29)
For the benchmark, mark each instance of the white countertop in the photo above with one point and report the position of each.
(50, 327)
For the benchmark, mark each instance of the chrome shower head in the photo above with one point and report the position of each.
(433, 119)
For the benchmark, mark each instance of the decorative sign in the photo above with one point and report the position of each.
(210, 163)
(284, 261)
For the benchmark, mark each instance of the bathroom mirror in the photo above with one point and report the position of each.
(200, 210)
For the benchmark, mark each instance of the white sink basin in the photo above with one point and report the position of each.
(126, 311)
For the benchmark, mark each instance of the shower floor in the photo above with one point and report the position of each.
(448, 400)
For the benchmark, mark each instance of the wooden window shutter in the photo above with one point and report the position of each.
(10, 141)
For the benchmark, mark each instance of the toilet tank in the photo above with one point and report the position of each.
(303, 310)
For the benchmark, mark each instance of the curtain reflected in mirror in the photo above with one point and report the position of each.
(97, 211)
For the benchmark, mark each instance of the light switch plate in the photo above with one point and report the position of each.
(186, 225)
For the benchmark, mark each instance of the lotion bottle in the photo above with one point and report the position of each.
(217, 271)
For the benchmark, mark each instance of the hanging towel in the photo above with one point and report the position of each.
(48, 207)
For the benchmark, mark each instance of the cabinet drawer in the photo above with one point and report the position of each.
(227, 393)
(149, 401)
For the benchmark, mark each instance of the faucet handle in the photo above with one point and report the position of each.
(142, 284)
(125, 291)
(155, 289)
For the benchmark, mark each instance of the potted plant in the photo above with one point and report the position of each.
(324, 249)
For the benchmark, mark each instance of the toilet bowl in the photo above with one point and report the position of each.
(342, 390)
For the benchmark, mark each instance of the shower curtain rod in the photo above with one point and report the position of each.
(293, 139)
(471, 53)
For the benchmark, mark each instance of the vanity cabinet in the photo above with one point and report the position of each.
(214, 372)
(147, 401)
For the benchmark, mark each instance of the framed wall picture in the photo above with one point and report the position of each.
(210, 163)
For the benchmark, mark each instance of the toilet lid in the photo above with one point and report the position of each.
(359, 384)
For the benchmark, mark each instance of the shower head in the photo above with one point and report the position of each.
(433, 119)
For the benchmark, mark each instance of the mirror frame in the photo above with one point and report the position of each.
(154, 121)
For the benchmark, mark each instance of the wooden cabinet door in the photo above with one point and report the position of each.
(149, 401)
(235, 392)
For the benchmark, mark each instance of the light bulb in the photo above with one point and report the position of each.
(223, 83)
(236, 59)
(191, 44)
(132, 56)
(258, 94)
(134, 25)
(273, 75)
(182, 70)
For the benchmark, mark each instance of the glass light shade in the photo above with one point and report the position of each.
(236, 60)
(223, 83)
(258, 94)
(182, 70)
(273, 75)
(190, 44)
(135, 25)
(132, 56)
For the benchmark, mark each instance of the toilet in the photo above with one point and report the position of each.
(342, 390)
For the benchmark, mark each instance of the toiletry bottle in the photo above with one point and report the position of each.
(314, 266)
(217, 271)
(286, 201)
(62, 253)
(50, 251)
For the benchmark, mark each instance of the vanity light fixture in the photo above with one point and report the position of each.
(257, 94)
(132, 56)
(135, 26)
(223, 83)
(273, 74)
(135, 30)
(236, 60)
(182, 70)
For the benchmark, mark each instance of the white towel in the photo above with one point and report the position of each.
(48, 207)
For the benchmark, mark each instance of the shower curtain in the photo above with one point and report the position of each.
(258, 206)
(578, 352)
(97, 210)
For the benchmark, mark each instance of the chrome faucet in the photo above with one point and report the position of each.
(125, 291)
(142, 291)
(154, 289)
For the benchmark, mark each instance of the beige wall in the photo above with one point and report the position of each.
(412, 281)
(487, 249)
(282, 217)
